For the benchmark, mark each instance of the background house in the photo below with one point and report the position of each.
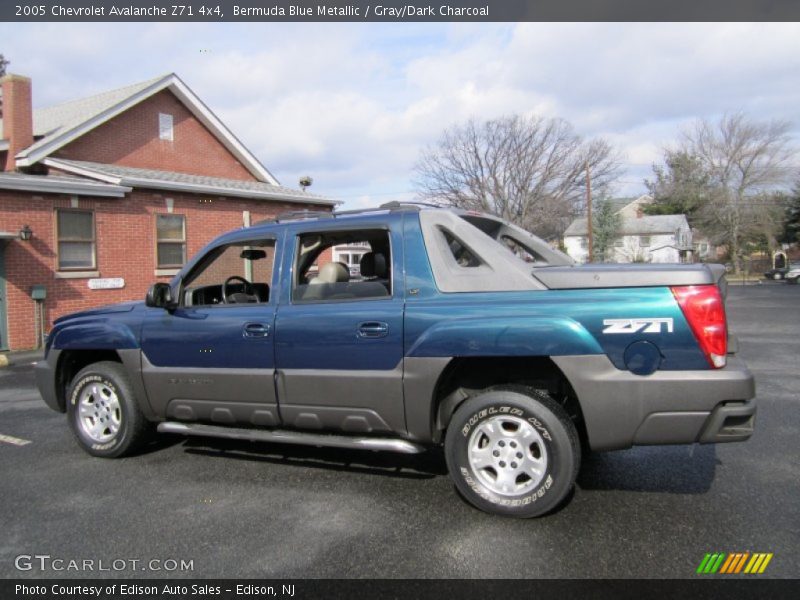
(641, 238)
(114, 192)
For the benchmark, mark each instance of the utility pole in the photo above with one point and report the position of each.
(589, 210)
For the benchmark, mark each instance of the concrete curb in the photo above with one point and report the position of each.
(8, 359)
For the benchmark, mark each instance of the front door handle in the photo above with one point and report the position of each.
(373, 329)
(255, 330)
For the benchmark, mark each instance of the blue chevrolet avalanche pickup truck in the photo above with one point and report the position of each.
(461, 330)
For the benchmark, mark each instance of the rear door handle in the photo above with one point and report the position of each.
(373, 329)
(254, 330)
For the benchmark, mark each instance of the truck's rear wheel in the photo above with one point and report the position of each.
(513, 452)
(103, 413)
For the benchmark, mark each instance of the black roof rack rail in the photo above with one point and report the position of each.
(297, 215)
(394, 205)
(409, 205)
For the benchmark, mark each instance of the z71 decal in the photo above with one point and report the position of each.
(638, 325)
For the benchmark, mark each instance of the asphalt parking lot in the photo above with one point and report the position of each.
(257, 510)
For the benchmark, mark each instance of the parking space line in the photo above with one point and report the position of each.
(8, 439)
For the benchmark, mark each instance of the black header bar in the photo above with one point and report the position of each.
(731, 588)
(397, 10)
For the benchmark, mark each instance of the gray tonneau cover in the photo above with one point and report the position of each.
(635, 275)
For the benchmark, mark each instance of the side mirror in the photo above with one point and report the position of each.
(159, 296)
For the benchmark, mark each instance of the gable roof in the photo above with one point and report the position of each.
(630, 206)
(60, 125)
(181, 182)
(646, 225)
(619, 203)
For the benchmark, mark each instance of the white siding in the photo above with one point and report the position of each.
(574, 247)
(662, 247)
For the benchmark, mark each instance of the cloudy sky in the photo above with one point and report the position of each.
(353, 104)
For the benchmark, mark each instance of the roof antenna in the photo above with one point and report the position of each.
(305, 181)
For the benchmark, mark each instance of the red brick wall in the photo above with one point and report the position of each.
(132, 140)
(126, 241)
(17, 116)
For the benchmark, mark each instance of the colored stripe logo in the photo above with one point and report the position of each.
(734, 562)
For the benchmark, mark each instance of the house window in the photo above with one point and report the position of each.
(584, 243)
(170, 241)
(165, 126)
(644, 241)
(76, 241)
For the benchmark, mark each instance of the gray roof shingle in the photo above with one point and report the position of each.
(646, 225)
(54, 119)
(151, 178)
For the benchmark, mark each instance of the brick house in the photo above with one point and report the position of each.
(113, 193)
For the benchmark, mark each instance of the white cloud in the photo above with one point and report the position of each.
(353, 104)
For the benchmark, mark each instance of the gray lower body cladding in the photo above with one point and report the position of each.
(621, 409)
(45, 374)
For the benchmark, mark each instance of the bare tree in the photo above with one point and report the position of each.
(746, 161)
(528, 170)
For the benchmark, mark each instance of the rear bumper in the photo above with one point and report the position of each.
(730, 422)
(621, 409)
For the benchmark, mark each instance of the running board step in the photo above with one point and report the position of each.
(283, 436)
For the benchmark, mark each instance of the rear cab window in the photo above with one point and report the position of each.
(317, 277)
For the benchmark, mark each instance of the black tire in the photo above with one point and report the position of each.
(537, 417)
(121, 427)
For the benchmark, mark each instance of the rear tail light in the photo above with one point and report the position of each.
(705, 312)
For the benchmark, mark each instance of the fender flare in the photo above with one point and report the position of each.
(94, 335)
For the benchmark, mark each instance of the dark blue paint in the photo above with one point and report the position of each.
(208, 336)
(421, 320)
(325, 335)
(113, 327)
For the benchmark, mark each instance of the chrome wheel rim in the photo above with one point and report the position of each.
(507, 455)
(99, 412)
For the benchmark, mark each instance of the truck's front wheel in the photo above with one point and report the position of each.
(513, 452)
(103, 413)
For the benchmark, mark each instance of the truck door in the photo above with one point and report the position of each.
(212, 358)
(339, 339)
